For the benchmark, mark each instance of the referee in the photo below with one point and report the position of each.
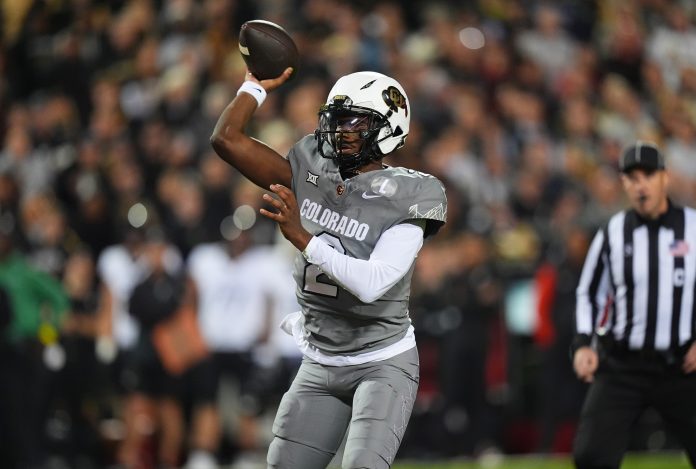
(635, 317)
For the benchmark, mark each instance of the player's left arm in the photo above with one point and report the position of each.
(424, 210)
(395, 251)
(370, 279)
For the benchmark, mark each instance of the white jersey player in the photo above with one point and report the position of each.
(358, 226)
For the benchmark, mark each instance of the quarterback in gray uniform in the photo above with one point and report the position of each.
(358, 226)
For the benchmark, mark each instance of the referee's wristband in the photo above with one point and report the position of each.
(255, 90)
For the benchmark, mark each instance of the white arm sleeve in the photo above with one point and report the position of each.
(369, 279)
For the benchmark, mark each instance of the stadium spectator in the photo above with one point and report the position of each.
(235, 294)
(153, 404)
(547, 44)
(119, 268)
(85, 403)
(38, 303)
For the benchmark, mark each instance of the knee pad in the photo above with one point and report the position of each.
(275, 451)
(286, 454)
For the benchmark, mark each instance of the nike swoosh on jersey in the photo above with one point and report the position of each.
(365, 195)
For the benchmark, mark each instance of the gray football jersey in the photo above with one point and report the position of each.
(351, 216)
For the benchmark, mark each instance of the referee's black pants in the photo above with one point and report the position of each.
(625, 384)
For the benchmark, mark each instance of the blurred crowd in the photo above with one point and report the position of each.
(140, 295)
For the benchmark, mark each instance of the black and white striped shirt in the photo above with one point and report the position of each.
(638, 282)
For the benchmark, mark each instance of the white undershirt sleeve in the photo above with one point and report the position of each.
(369, 279)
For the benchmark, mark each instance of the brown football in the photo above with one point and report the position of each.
(267, 49)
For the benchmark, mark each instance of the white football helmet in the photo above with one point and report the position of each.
(366, 116)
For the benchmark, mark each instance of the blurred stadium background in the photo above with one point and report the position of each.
(519, 106)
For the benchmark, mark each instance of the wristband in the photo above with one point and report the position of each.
(310, 249)
(255, 90)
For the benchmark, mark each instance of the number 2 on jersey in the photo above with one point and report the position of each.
(316, 281)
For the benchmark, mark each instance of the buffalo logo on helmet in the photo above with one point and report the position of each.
(394, 99)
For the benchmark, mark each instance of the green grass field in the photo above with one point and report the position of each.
(632, 461)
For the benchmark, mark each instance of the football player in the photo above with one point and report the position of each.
(358, 225)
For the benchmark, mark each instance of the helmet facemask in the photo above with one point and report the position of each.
(347, 134)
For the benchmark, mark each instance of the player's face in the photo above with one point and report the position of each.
(348, 133)
(647, 191)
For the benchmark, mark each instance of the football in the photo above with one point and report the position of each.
(267, 49)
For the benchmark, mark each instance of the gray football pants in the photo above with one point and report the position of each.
(372, 402)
